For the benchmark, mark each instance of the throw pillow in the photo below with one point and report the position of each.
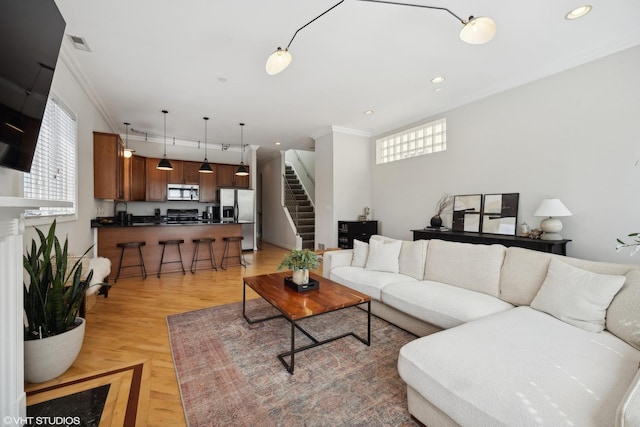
(383, 256)
(576, 296)
(360, 253)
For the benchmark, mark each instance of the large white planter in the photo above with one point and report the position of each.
(50, 357)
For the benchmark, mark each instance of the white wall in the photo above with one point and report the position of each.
(572, 136)
(343, 184)
(276, 226)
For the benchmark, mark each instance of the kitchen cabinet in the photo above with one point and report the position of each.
(108, 166)
(209, 186)
(227, 177)
(134, 179)
(155, 181)
(183, 172)
(359, 230)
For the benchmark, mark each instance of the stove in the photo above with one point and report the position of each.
(182, 215)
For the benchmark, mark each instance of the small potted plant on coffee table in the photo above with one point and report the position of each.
(300, 262)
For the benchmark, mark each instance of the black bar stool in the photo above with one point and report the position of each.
(164, 244)
(225, 255)
(125, 245)
(212, 258)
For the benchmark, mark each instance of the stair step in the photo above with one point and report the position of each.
(309, 244)
(306, 221)
(307, 236)
(306, 228)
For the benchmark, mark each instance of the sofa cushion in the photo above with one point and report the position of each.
(576, 296)
(384, 256)
(360, 253)
(524, 270)
(521, 367)
(439, 304)
(623, 315)
(365, 281)
(468, 266)
(412, 256)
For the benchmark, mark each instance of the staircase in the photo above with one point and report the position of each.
(300, 208)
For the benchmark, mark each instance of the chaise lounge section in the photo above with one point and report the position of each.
(521, 337)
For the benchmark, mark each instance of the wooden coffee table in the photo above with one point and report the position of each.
(294, 306)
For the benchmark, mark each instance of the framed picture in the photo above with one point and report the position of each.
(500, 213)
(467, 211)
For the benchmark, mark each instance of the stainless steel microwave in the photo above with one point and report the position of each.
(183, 192)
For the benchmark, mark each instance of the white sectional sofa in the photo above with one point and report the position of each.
(509, 336)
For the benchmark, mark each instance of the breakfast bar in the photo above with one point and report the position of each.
(109, 235)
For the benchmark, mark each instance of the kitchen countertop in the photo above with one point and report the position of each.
(109, 222)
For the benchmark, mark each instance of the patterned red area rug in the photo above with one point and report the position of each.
(229, 373)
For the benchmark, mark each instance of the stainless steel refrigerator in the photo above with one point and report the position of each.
(238, 205)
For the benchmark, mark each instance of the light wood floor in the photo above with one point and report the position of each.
(130, 327)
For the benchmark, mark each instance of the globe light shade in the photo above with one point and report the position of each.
(278, 61)
(128, 152)
(478, 30)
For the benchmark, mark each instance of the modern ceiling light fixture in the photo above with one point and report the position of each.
(164, 164)
(205, 167)
(242, 170)
(128, 152)
(478, 30)
(280, 59)
(578, 12)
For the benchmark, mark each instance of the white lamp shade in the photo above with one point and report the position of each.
(552, 207)
(278, 61)
(478, 30)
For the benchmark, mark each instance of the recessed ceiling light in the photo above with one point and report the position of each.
(437, 79)
(438, 89)
(277, 142)
(222, 79)
(369, 112)
(578, 12)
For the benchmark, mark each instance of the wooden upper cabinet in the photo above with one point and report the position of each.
(227, 177)
(190, 173)
(108, 166)
(183, 172)
(137, 187)
(209, 185)
(156, 181)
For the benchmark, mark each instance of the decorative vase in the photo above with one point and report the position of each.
(300, 276)
(436, 221)
(50, 357)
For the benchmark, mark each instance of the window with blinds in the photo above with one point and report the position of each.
(53, 171)
(424, 139)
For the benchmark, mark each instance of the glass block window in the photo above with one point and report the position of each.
(53, 170)
(424, 139)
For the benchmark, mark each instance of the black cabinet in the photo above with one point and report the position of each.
(552, 246)
(349, 230)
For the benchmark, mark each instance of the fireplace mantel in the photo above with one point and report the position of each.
(12, 396)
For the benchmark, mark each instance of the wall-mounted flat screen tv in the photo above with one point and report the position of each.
(31, 33)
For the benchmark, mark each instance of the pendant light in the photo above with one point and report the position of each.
(242, 169)
(164, 164)
(128, 152)
(205, 167)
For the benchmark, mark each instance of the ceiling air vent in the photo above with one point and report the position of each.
(79, 43)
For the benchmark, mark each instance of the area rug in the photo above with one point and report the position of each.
(229, 373)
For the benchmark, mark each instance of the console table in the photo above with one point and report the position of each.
(552, 246)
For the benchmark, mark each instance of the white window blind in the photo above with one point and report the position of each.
(424, 139)
(53, 171)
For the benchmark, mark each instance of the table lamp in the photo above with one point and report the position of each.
(551, 226)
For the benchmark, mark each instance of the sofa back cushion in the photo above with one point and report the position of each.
(412, 255)
(468, 266)
(524, 272)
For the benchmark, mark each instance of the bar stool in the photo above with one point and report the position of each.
(125, 245)
(164, 244)
(225, 254)
(209, 242)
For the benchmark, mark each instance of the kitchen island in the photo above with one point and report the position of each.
(109, 235)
